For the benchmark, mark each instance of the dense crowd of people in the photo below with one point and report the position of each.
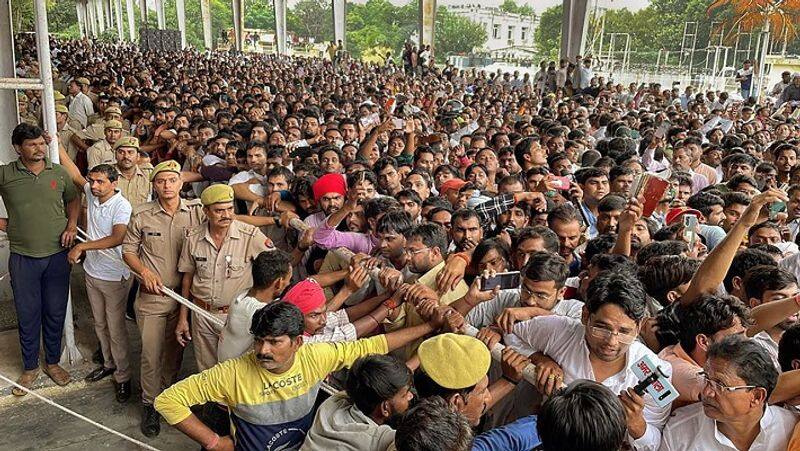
(341, 224)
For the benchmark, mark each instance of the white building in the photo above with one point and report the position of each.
(508, 35)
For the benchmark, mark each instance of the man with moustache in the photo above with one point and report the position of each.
(133, 183)
(43, 208)
(271, 391)
(216, 261)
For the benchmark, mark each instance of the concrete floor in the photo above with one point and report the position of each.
(30, 424)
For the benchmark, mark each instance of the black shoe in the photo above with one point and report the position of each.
(97, 357)
(99, 373)
(151, 421)
(123, 391)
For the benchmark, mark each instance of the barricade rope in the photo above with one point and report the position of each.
(78, 416)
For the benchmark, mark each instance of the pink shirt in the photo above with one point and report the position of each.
(685, 376)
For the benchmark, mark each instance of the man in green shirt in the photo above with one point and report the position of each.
(43, 206)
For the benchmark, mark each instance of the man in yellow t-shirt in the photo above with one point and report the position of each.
(271, 391)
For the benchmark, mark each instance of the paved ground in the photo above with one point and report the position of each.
(30, 424)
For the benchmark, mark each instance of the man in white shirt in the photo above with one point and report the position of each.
(108, 279)
(80, 107)
(602, 346)
(541, 293)
(734, 413)
(272, 273)
(586, 73)
(250, 185)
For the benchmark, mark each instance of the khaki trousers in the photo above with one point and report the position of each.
(157, 317)
(205, 339)
(108, 300)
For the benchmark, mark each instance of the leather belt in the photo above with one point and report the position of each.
(208, 307)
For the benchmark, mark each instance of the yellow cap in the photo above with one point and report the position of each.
(82, 80)
(58, 97)
(216, 194)
(454, 361)
(62, 108)
(126, 141)
(113, 124)
(165, 166)
(112, 109)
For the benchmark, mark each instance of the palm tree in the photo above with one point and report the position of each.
(777, 19)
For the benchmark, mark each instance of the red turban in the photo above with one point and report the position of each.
(306, 295)
(329, 183)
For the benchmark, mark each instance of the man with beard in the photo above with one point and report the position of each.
(466, 231)
(426, 251)
(271, 391)
(250, 185)
(216, 261)
(377, 393)
(764, 284)
(133, 182)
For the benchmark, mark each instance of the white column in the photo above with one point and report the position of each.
(280, 25)
(131, 20)
(118, 17)
(180, 6)
(8, 114)
(427, 22)
(339, 22)
(91, 18)
(101, 18)
(238, 32)
(573, 28)
(109, 13)
(205, 13)
(143, 13)
(81, 18)
(160, 14)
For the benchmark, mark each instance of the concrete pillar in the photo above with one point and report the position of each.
(101, 18)
(81, 18)
(8, 114)
(143, 13)
(131, 20)
(91, 19)
(180, 7)
(160, 14)
(427, 22)
(118, 17)
(205, 13)
(109, 13)
(280, 25)
(339, 22)
(238, 29)
(573, 28)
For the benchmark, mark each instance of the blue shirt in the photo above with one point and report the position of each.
(520, 435)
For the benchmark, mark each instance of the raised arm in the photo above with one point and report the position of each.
(71, 168)
(713, 269)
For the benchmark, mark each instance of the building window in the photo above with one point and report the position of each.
(510, 32)
(496, 31)
(523, 34)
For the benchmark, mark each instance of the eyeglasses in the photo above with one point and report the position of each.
(525, 292)
(413, 252)
(718, 387)
(605, 334)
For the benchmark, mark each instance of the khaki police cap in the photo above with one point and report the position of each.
(165, 166)
(127, 141)
(216, 194)
(113, 125)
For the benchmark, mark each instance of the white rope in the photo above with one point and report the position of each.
(167, 291)
(77, 415)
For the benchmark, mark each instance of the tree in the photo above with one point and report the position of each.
(548, 33)
(259, 14)
(511, 6)
(456, 34)
(311, 19)
(778, 17)
(377, 25)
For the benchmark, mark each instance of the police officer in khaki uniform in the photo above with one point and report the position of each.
(216, 263)
(151, 249)
(25, 114)
(103, 151)
(133, 182)
(96, 131)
